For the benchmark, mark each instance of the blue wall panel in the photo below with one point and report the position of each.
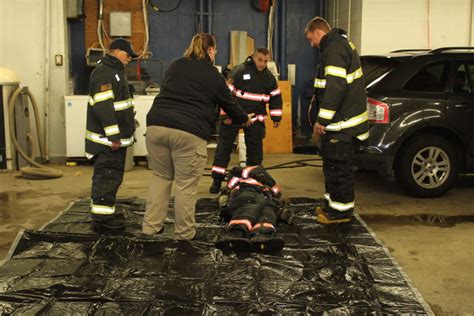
(237, 15)
(170, 33)
(299, 52)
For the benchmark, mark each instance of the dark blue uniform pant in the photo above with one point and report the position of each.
(254, 135)
(109, 167)
(338, 156)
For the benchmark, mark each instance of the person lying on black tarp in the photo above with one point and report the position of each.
(251, 205)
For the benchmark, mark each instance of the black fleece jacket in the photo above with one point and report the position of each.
(191, 93)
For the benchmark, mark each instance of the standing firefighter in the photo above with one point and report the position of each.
(110, 128)
(342, 117)
(254, 86)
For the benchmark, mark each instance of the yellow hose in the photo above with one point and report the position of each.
(39, 171)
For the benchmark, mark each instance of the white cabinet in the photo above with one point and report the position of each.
(76, 112)
(143, 104)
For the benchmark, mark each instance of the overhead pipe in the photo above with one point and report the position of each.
(201, 16)
(283, 17)
(46, 83)
(471, 31)
(210, 15)
(276, 32)
(349, 20)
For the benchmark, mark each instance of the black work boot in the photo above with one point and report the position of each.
(234, 240)
(267, 242)
(216, 186)
(108, 224)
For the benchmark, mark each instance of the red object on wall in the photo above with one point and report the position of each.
(264, 5)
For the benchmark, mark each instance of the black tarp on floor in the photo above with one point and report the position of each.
(66, 268)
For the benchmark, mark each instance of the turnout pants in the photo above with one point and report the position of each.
(252, 212)
(179, 157)
(108, 175)
(254, 135)
(338, 156)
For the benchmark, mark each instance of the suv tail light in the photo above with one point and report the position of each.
(378, 111)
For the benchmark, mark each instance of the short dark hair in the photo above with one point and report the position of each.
(262, 50)
(317, 23)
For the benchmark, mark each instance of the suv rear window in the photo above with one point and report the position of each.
(431, 78)
(374, 66)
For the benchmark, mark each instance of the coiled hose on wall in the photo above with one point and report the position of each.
(37, 170)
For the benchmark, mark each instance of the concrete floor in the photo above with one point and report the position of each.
(436, 252)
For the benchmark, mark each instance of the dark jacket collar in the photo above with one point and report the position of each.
(113, 62)
(206, 58)
(329, 37)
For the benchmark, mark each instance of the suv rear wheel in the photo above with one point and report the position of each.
(427, 166)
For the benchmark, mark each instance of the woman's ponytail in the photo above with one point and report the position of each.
(199, 46)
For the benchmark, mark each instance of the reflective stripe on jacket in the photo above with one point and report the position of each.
(110, 110)
(254, 89)
(340, 88)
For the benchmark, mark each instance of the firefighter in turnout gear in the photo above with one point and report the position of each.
(342, 120)
(250, 204)
(110, 128)
(254, 86)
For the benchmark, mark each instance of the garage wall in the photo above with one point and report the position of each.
(380, 26)
(375, 26)
(22, 40)
(347, 15)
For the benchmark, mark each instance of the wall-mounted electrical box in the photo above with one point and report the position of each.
(93, 56)
(120, 23)
(74, 9)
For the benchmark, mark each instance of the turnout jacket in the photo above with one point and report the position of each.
(191, 91)
(110, 115)
(340, 89)
(254, 89)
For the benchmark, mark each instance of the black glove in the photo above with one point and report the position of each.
(286, 215)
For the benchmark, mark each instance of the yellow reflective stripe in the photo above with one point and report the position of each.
(97, 138)
(363, 136)
(353, 121)
(123, 105)
(100, 139)
(355, 75)
(112, 130)
(340, 72)
(101, 96)
(326, 114)
(102, 209)
(338, 206)
(319, 83)
(335, 71)
(352, 45)
(125, 142)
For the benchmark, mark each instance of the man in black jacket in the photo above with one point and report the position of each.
(110, 128)
(254, 86)
(342, 116)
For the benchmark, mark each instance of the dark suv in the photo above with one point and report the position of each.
(421, 114)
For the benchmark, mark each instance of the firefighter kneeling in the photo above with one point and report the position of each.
(250, 204)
